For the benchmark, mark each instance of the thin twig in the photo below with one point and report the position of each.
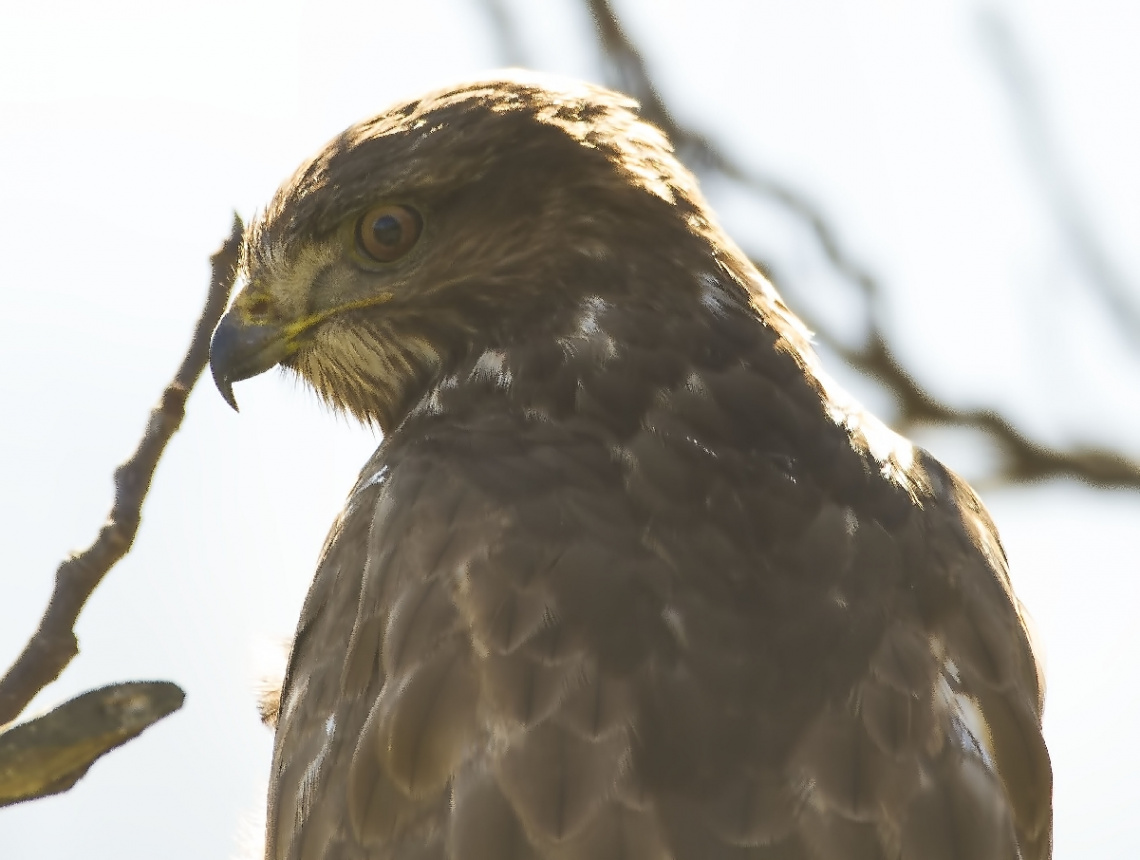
(53, 645)
(510, 44)
(1055, 178)
(1023, 458)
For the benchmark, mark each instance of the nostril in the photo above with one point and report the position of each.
(258, 308)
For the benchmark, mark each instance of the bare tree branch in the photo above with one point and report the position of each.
(1023, 459)
(53, 645)
(51, 753)
(510, 44)
(1064, 201)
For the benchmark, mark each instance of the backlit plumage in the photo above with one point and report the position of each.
(629, 577)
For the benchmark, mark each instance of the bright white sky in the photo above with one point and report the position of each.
(129, 131)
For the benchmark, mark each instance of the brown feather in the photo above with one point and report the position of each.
(427, 722)
(483, 824)
(629, 578)
(959, 814)
(556, 780)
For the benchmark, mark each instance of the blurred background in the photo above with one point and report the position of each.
(948, 192)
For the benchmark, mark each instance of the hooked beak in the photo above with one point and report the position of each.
(240, 350)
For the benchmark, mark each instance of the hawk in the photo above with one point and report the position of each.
(629, 578)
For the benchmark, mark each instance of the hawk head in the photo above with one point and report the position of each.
(459, 222)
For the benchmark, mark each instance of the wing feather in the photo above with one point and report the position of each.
(711, 639)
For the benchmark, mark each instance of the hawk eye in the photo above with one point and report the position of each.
(387, 232)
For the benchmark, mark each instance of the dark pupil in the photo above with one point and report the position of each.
(386, 230)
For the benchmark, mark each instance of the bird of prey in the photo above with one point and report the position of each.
(629, 578)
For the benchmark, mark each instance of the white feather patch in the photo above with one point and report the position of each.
(492, 365)
(971, 731)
